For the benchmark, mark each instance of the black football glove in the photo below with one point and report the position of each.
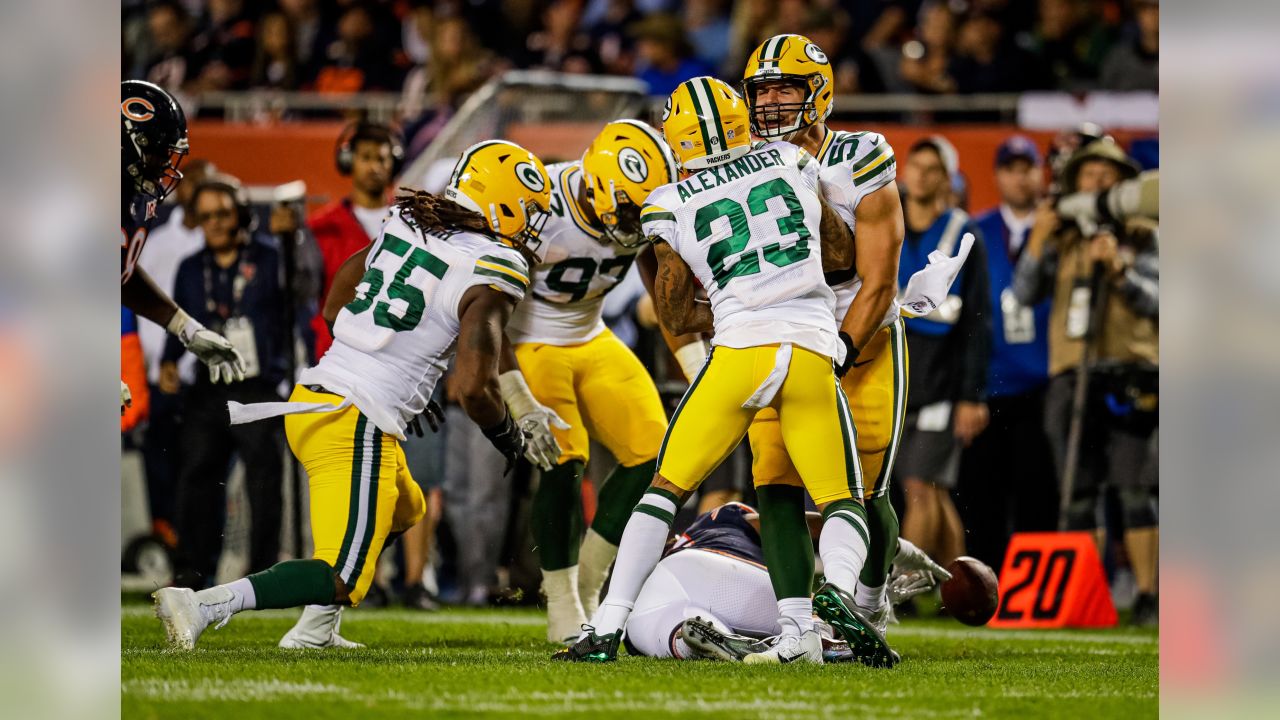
(850, 354)
(434, 415)
(508, 439)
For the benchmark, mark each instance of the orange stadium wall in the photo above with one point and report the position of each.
(272, 154)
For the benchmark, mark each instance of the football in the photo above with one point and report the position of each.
(972, 594)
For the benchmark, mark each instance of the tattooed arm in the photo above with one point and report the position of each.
(678, 309)
(836, 239)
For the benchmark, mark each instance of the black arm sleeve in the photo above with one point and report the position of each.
(974, 326)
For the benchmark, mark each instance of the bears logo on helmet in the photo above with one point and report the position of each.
(153, 139)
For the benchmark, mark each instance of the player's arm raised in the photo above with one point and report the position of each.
(689, 349)
(877, 245)
(678, 309)
(483, 313)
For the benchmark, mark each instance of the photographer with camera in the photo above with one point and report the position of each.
(1101, 407)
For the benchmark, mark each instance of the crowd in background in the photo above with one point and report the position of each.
(989, 401)
(438, 51)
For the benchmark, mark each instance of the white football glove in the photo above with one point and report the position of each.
(126, 397)
(533, 418)
(224, 361)
(913, 573)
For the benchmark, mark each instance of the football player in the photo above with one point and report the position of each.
(710, 596)
(789, 88)
(443, 276)
(153, 141)
(580, 379)
(746, 226)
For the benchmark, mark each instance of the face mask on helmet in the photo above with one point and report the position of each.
(622, 226)
(780, 120)
(530, 236)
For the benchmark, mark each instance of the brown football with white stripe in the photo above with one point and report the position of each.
(972, 594)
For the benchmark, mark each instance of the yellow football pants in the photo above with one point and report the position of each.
(877, 390)
(600, 388)
(361, 489)
(812, 418)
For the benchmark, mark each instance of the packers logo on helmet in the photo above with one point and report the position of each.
(793, 59)
(624, 163)
(707, 124)
(506, 184)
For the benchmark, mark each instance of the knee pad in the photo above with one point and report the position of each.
(1139, 505)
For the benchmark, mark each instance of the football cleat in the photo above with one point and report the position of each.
(317, 629)
(805, 647)
(880, 617)
(836, 607)
(591, 647)
(186, 614)
(708, 642)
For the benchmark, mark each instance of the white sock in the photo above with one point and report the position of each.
(638, 554)
(795, 615)
(679, 650)
(594, 559)
(243, 597)
(843, 548)
(560, 584)
(870, 598)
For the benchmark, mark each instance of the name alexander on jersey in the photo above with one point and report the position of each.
(718, 175)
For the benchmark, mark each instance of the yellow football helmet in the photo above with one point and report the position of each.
(705, 123)
(624, 163)
(794, 58)
(506, 184)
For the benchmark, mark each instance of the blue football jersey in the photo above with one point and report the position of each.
(724, 530)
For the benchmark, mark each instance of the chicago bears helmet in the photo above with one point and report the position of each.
(153, 138)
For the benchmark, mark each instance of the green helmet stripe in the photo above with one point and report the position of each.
(466, 158)
(718, 127)
(697, 110)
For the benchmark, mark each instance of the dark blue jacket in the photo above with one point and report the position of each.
(1022, 366)
(262, 301)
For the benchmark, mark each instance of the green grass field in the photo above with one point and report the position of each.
(494, 663)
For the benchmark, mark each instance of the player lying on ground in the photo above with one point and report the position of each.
(443, 276)
(153, 141)
(710, 596)
(582, 382)
(745, 225)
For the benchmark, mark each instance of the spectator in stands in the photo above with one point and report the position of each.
(609, 34)
(311, 35)
(664, 58)
(561, 45)
(1070, 43)
(366, 152)
(1134, 64)
(356, 61)
(1007, 480)
(985, 60)
(167, 245)
(232, 286)
(225, 48)
(926, 60)
(172, 62)
(275, 64)
(949, 350)
(855, 71)
(1103, 283)
(708, 26)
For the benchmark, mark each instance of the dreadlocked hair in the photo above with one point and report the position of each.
(424, 211)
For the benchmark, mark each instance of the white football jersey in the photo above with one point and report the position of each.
(394, 340)
(748, 229)
(580, 265)
(854, 165)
